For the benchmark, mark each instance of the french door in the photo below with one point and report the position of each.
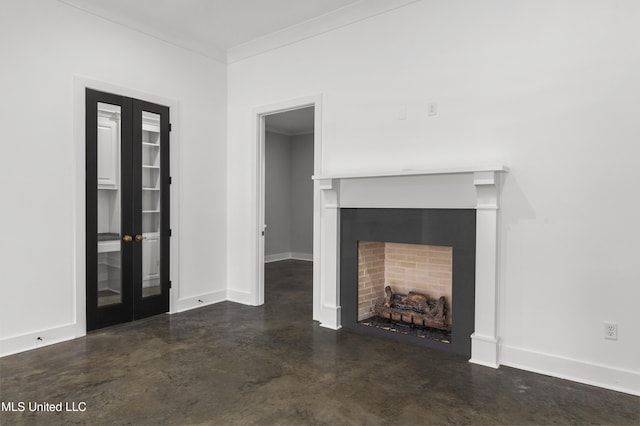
(127, 193)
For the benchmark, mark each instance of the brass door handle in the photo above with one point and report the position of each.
(127, 238)
(139, 238)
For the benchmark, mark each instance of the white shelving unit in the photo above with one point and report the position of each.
(151, 203)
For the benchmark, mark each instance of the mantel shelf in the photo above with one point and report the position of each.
(415, 172)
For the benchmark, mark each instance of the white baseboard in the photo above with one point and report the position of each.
(50, 336)
(291, 255)
(243, 297)
(268, 258)
(38, 339)
(201, 300)
(302, 256)
(603, 376)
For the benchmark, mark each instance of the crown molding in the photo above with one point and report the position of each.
(277, 131)
(205, 49)
(333, 20)
(339, 18)
(287, 133)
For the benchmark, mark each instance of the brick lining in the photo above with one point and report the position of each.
(421, 268)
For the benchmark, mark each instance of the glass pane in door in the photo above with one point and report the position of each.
(109, 205)
(151, 197)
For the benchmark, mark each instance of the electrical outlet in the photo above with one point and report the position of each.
(611, 330)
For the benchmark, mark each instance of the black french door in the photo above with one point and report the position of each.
(127, 211)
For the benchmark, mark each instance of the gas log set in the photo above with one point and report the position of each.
(414, 309)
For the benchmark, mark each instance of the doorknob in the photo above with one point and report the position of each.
(139, 238)
(127, 238)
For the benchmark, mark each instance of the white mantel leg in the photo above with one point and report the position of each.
(330, 255)
(484, 341)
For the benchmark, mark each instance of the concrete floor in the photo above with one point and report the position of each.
(231, 364)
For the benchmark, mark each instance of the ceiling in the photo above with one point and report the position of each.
(225, 29)
(291, 123)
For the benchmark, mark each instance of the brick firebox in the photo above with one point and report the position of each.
(421, 268)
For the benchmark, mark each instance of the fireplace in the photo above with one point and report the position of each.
(406, 288)
(402, 271)
(435, 191)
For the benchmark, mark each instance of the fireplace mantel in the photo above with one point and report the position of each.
(415, 172)
(449, 187)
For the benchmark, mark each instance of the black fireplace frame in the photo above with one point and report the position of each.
(454, 228)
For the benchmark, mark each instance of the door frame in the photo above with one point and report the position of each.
(80, 84)
(259, 114)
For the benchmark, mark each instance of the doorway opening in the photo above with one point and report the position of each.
(288, 136)
(288, 185)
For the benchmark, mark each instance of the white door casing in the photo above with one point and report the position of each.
(259, 115)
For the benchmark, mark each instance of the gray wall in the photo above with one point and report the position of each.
(302, 194)
(288, 195)
(277, 193)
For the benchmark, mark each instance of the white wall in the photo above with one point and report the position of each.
(44, 45)
(550, 88)
(288, 196)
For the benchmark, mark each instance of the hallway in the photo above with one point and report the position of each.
(235, 364)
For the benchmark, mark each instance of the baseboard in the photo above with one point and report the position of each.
(243, 297)
(288, 256)
(302, 256)
(38, 339)
(268, 258)
(50, 336)
(616, 379)
(201, 300)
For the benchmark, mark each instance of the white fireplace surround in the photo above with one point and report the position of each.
(462, 187)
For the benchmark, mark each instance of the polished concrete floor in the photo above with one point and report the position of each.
(231, 364)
